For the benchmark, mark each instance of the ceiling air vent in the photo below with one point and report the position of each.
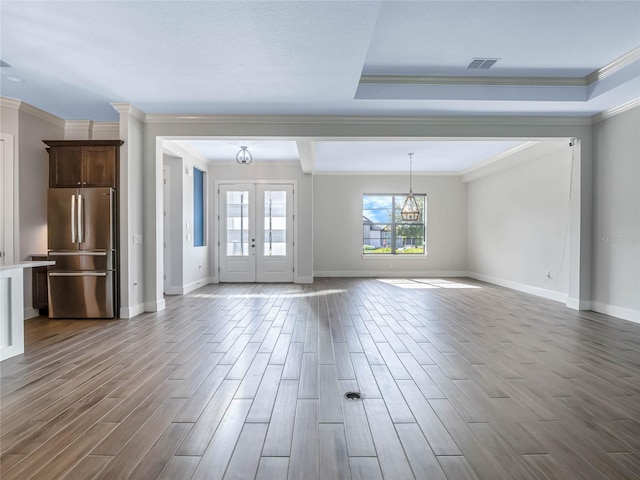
(482, 63)
(4, 64)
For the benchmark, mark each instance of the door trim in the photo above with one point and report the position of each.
(217, 233)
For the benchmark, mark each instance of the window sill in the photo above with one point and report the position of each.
(386, 256)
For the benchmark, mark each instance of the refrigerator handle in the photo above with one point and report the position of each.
(73, 219)
(80, 223)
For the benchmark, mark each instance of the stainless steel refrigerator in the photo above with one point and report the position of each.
(82, 240)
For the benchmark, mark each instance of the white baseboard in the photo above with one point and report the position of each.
(298, 279)
(130, 312)
(196, 285)
(389, 274)
(184, 289)
(577, 304)
(174, 290)
(615, 311)
(521, 287)
(154, 306)
(30, 312)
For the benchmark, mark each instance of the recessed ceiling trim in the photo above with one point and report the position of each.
(474, 80)
(362, 120)
(611, 68)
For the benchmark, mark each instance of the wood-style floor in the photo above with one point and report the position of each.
(247, 381)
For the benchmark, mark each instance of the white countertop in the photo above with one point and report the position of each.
(43, 263)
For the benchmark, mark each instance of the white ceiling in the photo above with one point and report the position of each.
(318, 57)
(307, 57)
(386, 156)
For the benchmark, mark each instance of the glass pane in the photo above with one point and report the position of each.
(278, 196)
(377, 216)
(275, 210)
(238, 197)
(275, 223)
(279, 223)
(410, 238)
(237, 223)
(376, 238)
(377, 208)
(275, 235)
(278, 249)
(234, 211)
(236, 249)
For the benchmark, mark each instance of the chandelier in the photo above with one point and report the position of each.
(410, 211)
(243, 157)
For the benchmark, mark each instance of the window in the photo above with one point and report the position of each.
(198, 207)
(383, 230)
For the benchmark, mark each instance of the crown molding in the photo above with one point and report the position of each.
(21, 106)
(473, 80)
(599, 117)
(7, 102)
(434, 173)
(77, 124)
(42, 115)
(499, 156)
(371, 120)
(527, 152)
(611, 68)
(106, 126)
(531, 81)
(127, 108)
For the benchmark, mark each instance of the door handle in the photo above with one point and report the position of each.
(80, 225)
(73, 218)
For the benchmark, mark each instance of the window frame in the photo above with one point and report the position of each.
(393, 224)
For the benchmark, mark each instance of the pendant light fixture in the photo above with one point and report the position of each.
(410, 211)
(243, 157)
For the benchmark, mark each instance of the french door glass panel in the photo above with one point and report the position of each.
(238, 223)
(275, 223)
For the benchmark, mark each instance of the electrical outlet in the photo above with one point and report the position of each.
(547, 274)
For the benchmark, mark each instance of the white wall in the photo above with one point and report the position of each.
(519, 223)
(337, 226)
(9, 127)
(33, 162)
(616, 256)
(187, 267)
(132, 214)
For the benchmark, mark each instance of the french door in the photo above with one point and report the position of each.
(256, 232)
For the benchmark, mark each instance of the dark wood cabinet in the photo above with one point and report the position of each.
(39, 289)
(83, 163)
